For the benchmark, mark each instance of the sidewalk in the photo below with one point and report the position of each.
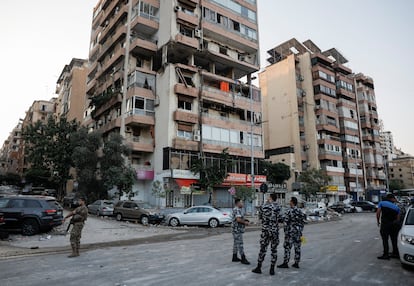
(97, 230)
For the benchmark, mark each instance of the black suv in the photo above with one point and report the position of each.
(365, 205)
(30, 214)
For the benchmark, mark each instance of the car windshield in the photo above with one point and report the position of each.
(108, 203)
(53, 204)
(410, 218)
(145, 206)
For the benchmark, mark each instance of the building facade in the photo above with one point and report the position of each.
(10, 152)
(71, 91)
(315, 119)
(402, 169)
(185, 97)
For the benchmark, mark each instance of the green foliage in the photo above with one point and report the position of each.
(114, 171)
(212, 172)
(313, 181)
(157, 189)
(48, 149)
(396, 185)
(10, 179)
(244, 193)
(276, 173)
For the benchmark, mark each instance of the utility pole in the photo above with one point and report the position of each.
(249, 81)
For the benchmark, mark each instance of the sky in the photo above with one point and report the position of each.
(40, 37)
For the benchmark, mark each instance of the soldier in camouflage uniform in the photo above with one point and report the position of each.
(79, 216)
(269, 214)
(294, 223)
(238, 225)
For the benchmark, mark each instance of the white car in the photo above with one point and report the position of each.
(406, 239)
(200, 215)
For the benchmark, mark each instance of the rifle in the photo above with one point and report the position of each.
(70, 223)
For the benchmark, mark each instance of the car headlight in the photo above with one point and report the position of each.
(407, 238)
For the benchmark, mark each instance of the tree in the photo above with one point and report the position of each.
(212, 171)
(245, 193)
(48, 149)
(396, 185)
(157, 191)
(85, 159)
(276, 173)
(113, 168)
(313, 181)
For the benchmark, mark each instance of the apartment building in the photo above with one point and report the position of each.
(186, 93)
(310, 104)
(387, 145)
(402, 169)
(10, 151)
(71, 90)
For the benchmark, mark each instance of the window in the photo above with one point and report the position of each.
(185, 134)
(32, 204)
(140, 106)
(186, 31)
(182, 104)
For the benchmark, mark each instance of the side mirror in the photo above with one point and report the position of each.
(136, 208)
(185, 212)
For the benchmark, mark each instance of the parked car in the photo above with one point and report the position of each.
(406, 239)
(338, 207)
(3, 233)
(365, 205)
(315, 209)
(200, 215)
(71, 200)
(102, 208)
(30, 214)
(137, 210)
(352, 209)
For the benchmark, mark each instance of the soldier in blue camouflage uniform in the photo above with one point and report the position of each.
(238, 225)
(269, 214)
(79, 216)
(294, 223)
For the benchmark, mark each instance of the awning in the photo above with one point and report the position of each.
(185, 182)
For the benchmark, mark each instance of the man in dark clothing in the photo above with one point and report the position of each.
(238, 226)
(388, 216)
(269, 214)
(294, 223)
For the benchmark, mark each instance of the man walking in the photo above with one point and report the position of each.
(79, 216)
(389, 215)
(238, 226)
(269, 214)
(293, 228)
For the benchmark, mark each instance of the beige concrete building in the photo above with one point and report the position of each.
(402, 169)
(185, 95)
(310, 104)
(71, 91)
(10, 152)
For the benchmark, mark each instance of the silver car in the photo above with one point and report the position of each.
(102, 208)
(200, 215)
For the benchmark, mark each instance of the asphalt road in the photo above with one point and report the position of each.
(336, 253)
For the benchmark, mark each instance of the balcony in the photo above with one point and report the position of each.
(114, 100)
(110, 125)
(229, 123)
(334, 169)
(140, 117)
(185, 116)
(233, 38)
(116, 56)
(111, 42)
(141, 144)
(145, 23)
(187, 41)
(180, 88)
(329, 155)
(111, 25)
(234, 149)
(143, 46)
(187, 17)
(183, 144)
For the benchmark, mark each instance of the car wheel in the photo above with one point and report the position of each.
(174, 222)
(30, 227)
(213, 223)
(97, 213)
(118, 217)
(144, 220)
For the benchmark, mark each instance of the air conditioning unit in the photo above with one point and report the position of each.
(303, 93)
(196, 138)
(301, 78)
(157, 101)
(198, 33)
(317, 107)
(128, 129)
(177, 8)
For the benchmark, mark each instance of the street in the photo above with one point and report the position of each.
(336, 253)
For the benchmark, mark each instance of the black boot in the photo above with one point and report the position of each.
(283, 265)
(272, 269)
(258, 268)
(295, 265)
(244, 260)
(235, 258)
